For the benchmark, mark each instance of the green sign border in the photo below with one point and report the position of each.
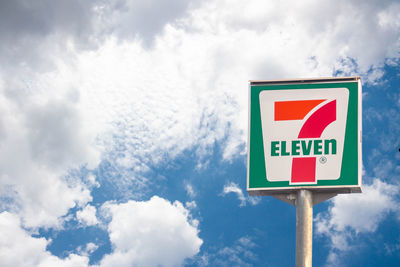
(350, 176)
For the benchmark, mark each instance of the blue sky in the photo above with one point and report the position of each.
(123, 131)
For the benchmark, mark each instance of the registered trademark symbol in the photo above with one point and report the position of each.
(323, 160)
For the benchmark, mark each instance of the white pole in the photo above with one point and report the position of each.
(304, 223)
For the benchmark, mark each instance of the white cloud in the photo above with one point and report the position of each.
(356, 214)
(92, 180)
(189, 90)
(91, 247)
(190, 191)
(151, 233)
(19, 248)
(41, 137)
(392, 248)
(72, 89)
(87, 216)
(30, 36)
(88, 249)
(190, 205)
(143, 19)
(238, 254)
(234, 188)
(363, 212)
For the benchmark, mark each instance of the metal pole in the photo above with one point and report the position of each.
(304, 217)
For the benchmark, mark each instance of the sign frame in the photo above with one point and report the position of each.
(353, 83)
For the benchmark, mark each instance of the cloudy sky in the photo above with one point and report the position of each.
(123, 128)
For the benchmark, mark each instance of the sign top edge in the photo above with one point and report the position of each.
(306, 80)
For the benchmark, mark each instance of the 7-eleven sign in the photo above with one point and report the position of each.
(305, 135)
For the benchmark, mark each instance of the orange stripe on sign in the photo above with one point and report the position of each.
(294, 110)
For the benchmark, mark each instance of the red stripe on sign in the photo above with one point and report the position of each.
(294, 110)
(303, 170)
(317, 122)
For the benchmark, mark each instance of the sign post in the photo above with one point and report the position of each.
(304, 216)
(304, 145)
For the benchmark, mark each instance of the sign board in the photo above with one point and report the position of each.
(304, 134)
